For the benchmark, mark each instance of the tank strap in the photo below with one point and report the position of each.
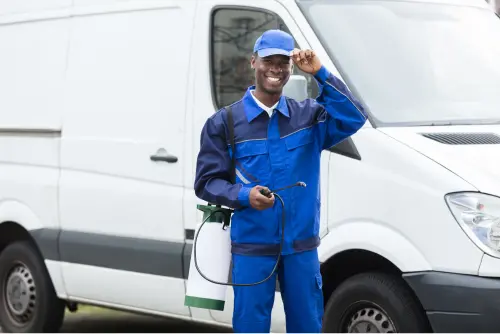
(231, 140)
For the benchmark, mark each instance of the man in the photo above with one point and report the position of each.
(278, 142)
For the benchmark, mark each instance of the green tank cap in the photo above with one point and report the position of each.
(222, 216)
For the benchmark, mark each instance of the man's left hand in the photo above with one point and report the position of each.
(306, 61)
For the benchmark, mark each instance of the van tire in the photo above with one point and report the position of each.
(33, 305)
(378, 300)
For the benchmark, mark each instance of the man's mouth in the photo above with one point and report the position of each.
(273, 80)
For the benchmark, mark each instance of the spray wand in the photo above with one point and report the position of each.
(225, 217)
(268, 193)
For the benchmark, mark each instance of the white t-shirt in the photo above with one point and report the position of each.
(263, 106)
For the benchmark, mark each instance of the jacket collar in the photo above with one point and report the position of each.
(252, 110)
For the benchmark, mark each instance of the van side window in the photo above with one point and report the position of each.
(233, 35)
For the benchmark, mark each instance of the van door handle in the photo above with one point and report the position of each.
(168, 158)
(162, 155)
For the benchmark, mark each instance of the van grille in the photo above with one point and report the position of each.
(464, 138)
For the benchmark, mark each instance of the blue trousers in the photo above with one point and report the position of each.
(300, 286)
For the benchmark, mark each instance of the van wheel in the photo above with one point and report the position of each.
(374, 303)
(28, 302)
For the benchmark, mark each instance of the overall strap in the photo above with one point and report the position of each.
(231, 141)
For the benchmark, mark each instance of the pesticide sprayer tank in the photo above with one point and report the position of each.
(213, 253)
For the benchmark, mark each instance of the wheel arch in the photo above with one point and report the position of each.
(11, 231)
(18, 212)
(350, 262)
(353, 262)
(19, 222)
(41, 240)
(44, 242)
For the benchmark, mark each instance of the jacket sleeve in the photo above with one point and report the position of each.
(342, 114)
(213, 178)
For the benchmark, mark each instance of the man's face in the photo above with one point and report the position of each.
(271, 73)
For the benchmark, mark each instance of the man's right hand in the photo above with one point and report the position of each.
(259, 201)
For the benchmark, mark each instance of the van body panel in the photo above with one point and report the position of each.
(32, 64)
(377, 238)
(33, 61)
(490, 266)
(122, 162)
(29, 184)
(465, 153)
(402, 192)
(12, 8)
(123, 288)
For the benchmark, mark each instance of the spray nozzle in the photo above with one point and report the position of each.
(268, 193)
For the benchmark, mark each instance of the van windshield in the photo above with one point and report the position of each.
(414, 63)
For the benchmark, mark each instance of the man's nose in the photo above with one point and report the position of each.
(275, 68)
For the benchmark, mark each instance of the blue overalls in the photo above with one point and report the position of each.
(275, 152)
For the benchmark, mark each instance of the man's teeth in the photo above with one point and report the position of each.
(273, 79)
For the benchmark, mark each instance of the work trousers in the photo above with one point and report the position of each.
(300, 286)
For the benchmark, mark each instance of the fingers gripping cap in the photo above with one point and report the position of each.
(274, 42)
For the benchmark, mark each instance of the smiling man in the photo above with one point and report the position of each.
(278, 142)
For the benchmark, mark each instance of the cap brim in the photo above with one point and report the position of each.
(270, 52)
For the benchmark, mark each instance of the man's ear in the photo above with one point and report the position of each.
(252, 62)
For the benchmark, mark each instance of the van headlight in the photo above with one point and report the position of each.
(479, 216)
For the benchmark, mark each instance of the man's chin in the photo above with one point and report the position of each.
(274, 90)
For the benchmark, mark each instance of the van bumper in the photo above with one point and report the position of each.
(457, 303)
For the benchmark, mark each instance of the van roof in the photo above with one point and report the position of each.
(25, 8)
(470, 3)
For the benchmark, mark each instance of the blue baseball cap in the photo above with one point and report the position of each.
(274, 42)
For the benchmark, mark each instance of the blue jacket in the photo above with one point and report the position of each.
(275, 152)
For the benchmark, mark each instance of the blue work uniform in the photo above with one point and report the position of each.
(275, 152)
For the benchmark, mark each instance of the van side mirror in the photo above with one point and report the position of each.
(296, 87)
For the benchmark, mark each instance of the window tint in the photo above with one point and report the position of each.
(234, 32)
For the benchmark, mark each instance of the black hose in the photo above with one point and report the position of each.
(244, 284)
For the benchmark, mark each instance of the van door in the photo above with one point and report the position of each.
(123, 162)
(223, 74)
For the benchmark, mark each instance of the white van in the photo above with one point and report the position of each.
(101, 107)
